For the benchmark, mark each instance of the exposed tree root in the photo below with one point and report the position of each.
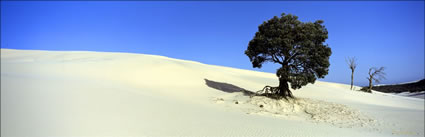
(274, 93)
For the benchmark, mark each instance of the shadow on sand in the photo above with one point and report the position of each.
(225, 87)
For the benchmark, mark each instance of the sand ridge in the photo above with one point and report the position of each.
(64, 93)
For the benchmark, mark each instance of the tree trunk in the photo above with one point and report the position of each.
(352, 78)
(284, 89)
(370, 85)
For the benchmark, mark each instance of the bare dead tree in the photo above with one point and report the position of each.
(375, 75)
(352, 65)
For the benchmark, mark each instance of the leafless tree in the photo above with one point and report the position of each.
(375, 75)
(352, 65)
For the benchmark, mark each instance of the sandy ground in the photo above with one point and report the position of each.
(52, 93)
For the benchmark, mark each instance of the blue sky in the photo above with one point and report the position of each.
(389, 34)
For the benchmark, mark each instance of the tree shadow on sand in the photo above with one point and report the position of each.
(228, 88)
(267, 91)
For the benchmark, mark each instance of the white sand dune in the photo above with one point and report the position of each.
(53, 93)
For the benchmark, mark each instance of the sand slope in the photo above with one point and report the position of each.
(52, 93)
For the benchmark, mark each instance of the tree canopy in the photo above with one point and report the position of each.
(298, 46)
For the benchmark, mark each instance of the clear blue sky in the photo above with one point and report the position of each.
(389, 34)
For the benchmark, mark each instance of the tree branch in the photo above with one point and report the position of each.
(351, 62)
(275, 59)
(290, 58)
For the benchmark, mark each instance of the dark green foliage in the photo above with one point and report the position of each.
(398, 88)
(298, 46)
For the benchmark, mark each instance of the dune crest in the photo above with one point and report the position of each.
(76, 93)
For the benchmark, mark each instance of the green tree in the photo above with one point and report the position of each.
(297, 46)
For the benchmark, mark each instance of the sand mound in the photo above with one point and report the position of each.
(304, 108)
(336, 114)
